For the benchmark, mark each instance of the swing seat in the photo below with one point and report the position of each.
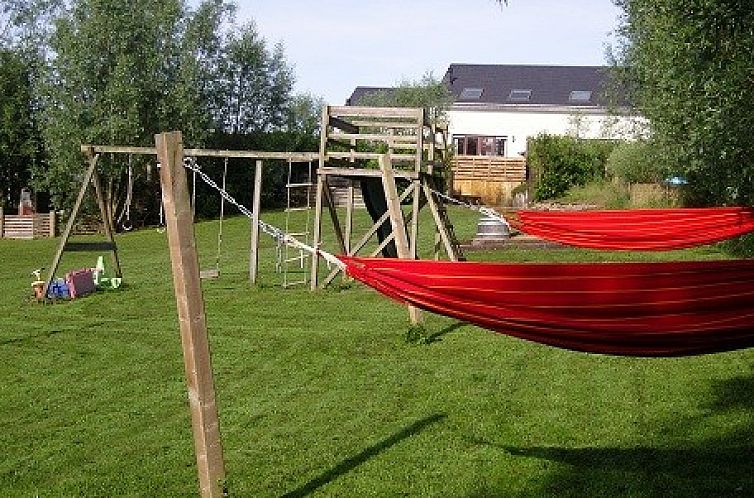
(213, 273)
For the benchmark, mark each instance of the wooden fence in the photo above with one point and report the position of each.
(28, 226)
(488, 179)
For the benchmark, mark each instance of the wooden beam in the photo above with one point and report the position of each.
(255, 211)
(377, 137)
(439, 223)
(240, 154)
(396, 220)
(365, 173)
(317, 230)
(88, 246)
(191, 317)
(378, 112)
(385, 124)
(405, 158)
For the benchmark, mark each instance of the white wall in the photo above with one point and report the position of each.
(519, 124)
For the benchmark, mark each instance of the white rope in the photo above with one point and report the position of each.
(280, 236)
(490, 213)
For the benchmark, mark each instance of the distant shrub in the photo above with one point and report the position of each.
(635, 162)
(601, 193)
(557, 163)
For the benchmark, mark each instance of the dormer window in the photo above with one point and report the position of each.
(580, 96)
(471, 93)
(518, 95)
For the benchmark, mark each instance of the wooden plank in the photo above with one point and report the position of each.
(385, 124)
(365, 173)
(89, 246)
(53, 222)
(255, 211)
(379, 112)
(191, 317)
(374, 137)
(406, 158)
(441, 231)
(396, 221)
(317, 229)
(241, 154)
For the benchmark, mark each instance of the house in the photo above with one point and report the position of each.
(498, 107)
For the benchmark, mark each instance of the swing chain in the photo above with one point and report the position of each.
(280, 236)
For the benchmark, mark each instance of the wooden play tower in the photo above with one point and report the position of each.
(394, 153)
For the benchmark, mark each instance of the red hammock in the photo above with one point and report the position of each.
(637, 229)
(634, 309)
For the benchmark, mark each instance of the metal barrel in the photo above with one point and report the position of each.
(490, 228)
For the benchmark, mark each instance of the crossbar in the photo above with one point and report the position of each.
(88, 246)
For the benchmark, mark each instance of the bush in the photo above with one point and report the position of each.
(557, 163)
(635, 162)
(600, 193)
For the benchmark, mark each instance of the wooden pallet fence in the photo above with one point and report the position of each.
(29, 226)
(490, 168)
(489, 180)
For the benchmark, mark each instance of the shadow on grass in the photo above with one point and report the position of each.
(679, 465)
(30, 337)
(437, 336)
(351, 463)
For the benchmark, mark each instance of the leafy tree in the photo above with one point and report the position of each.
(119, 78)
(427, 92)
(690, 64)
(19, 138)
(257, 84)
(305, 115)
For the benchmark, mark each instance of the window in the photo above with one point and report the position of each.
(475, 145)
(580, 96)
(519, 95)
(471, 93)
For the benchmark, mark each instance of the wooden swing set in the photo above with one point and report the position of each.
(406, 148)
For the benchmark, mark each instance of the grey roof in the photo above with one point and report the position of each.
(549, 85)
(361, 91)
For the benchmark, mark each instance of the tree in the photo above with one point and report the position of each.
(19, 139)
(256, 82)
(119, 78)
(427, 92)
(690, 65)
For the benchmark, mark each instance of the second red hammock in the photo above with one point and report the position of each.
(637, 229)
(636, 309)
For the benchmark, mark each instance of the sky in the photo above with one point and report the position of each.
(337, 45)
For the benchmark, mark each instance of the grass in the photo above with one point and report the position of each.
(320, 394)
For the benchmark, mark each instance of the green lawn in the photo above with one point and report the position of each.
(320, 394)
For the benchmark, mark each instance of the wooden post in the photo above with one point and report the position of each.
(2, 223)
(317, 229)
(53, 224)
(254, 251)
(190, 304)
(396, 221)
